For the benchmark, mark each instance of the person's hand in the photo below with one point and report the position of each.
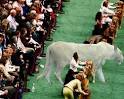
(5, 92)
(84, 93)
(12, 78)
(83, 63)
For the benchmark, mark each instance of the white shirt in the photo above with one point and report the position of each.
(33, 41)
(10, 67)
(20, 45)
(109, 5)
(12, 22)
(74, 65)
(105, 11)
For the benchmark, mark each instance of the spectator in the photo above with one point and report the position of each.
(1, 44)
(12, 21)
(18, 4)
(28, 52)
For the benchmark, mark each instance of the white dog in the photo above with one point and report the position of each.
(60, 53)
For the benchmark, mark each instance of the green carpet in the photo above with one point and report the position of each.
(76, 26)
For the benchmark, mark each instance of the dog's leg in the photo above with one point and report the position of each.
(100, 75)
(58, 73)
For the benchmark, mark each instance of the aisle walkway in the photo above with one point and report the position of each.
(75, 26)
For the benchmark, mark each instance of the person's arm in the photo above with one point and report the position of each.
(110, 3)
(82, 63)
(108, 11)
(110, 6)
(80, 89)
(77, 65)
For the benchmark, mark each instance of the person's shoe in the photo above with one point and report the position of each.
(43, 55)
(27, 79)
(57, 26)
(27, 90)
(31, 75)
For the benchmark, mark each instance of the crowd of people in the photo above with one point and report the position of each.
(107, 22)
(24, 27)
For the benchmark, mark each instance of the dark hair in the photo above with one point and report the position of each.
(75, 55)
(98, 16)
(122, 0)
(86, 42)
(1, 35)
(105, 3)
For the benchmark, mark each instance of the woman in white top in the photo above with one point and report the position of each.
(74, 65)
(110, 5)
(107, 13)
